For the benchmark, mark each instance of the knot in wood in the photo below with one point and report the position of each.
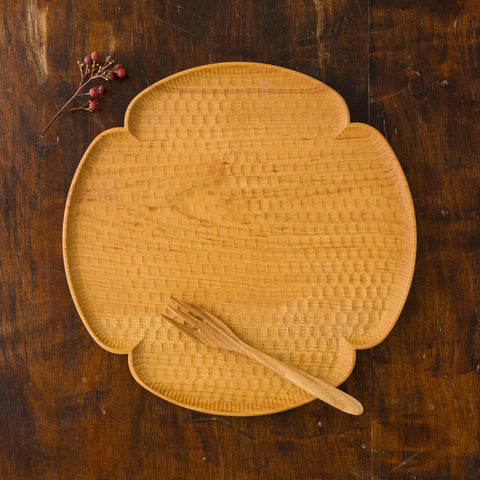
(418, 88)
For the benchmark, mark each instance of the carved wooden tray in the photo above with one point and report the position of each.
(242, 188)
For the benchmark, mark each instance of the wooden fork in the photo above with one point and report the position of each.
(205, 328)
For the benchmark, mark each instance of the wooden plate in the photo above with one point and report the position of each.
(242, 188)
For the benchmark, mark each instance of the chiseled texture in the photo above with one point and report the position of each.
(71, 410)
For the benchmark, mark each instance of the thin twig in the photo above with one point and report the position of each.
(88, 73)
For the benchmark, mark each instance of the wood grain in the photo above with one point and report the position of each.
(68, 409)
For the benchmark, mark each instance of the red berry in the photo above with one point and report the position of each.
(102, 89)
(93, 92)
(93, 105)
(118, 66)
(121, 72)
(88, 60)
(95, 55)
(112, 75)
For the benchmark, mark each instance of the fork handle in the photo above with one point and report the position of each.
(316, 387)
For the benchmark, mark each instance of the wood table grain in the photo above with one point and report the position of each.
(70, 410)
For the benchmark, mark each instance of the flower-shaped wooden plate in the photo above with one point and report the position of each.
(244, 189)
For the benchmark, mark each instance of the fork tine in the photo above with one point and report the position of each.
(206, 315)
(189, 306)
(186, 317)
(179, 325)
(180, 302)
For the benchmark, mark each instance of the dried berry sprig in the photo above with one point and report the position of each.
(91, 70)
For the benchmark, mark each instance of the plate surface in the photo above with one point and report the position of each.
(242, 188)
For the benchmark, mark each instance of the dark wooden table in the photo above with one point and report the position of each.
(70, 410)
